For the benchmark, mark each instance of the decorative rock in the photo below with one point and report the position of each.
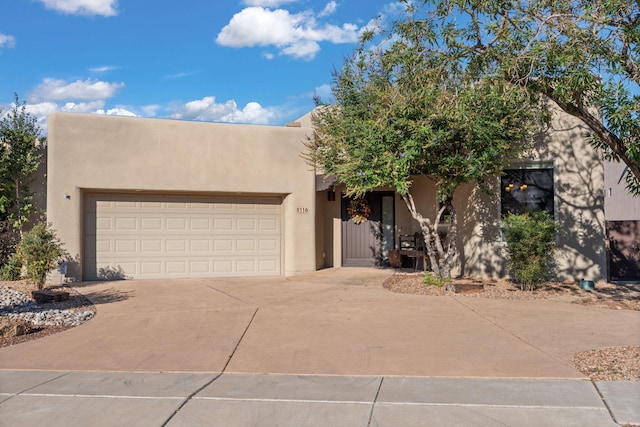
(13, 327)
(465, 288)
(16, 306)
(43, 297)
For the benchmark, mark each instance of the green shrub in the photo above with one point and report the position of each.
(39, 251)
(12, 269)
(8, 242)
(531, 243)
(432, 280)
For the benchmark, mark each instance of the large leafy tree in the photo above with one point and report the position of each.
(401, 111)
(21, 150)
(582, 54)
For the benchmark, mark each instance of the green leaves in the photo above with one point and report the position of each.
(409, 109)
(39, 251)
(582, 54)
(531, 242)
(20, 154)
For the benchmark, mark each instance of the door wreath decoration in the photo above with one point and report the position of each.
(359, 210)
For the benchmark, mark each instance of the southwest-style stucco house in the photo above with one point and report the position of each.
(162, 198)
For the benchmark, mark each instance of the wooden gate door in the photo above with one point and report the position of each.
(367, 243)
(623, 251)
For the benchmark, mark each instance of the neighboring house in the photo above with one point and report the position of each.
(622, 214)
(161, 198)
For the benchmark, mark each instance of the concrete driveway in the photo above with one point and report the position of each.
(333, 322)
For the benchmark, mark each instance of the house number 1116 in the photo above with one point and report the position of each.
(303, 210)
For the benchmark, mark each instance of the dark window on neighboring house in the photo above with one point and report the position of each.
(525, 190)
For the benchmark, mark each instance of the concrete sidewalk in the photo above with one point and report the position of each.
(70, 399)
(326, 340)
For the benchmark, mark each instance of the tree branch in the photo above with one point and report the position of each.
(579, 110)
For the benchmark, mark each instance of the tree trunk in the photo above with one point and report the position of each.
(447, 252)
(427, 232)
(441, 256)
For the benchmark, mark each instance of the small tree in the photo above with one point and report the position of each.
(21, 150)
(531, 242)
(40, 251)
(400, 113)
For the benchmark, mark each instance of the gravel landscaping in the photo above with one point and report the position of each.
(603, 364)
(17, 306)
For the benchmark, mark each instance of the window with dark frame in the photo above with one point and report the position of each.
(527, 190)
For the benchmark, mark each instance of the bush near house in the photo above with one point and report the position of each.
(39, 252)
(12, 269)
(531, 243)
(8, 242)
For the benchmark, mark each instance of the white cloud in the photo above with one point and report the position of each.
(296, 35)
(324, 92)
(267, 3)
(151, 110)
(82, 107)
(60, 90)
(7, 41)
(207, 109)
(329, 9)
(118, 111)
(83, 7)
(306, 49)
(41, 110)
(103, 69)
(179, 75)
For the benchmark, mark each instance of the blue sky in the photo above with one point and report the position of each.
(232, 61)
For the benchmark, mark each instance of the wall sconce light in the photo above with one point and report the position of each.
(331, 194)
(67, 196)
(508, 188)
(523, 187)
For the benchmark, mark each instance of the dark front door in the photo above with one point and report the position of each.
(366, 243)
(624, 250)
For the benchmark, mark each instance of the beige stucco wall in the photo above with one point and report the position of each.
(579, 208)
(121, 154)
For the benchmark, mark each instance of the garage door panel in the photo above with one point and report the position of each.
(145, 268)
(269, 245)
(126, 247)
(196, 245)
(270, 224)
(101, 223)
(200, 224)
(182, 236)
(221, 246)
(151, 224)
(267, 266)
(200, 266)
(176, 246)
(176, 224)
(151, 245)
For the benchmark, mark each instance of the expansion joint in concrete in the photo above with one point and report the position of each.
(375, 400)
(217, 376)
(604, 401)
(499, 326)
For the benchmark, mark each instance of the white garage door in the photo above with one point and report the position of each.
(151, 236)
